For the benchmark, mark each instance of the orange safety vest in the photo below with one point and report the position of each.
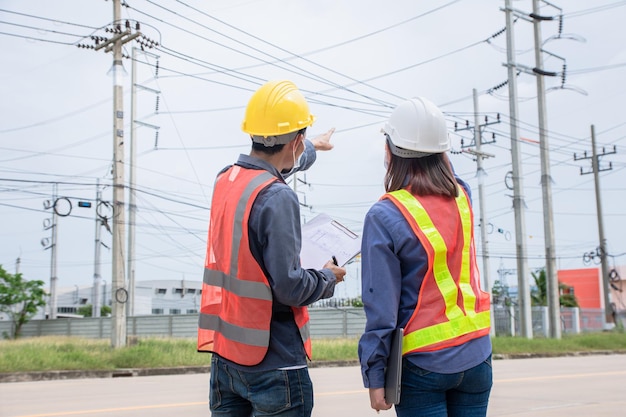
(451, 308)
(236, 306)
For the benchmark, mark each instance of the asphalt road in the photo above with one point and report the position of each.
(539, 387)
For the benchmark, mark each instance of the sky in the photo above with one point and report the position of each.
(354, 61)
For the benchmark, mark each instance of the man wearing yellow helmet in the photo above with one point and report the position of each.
(253, 315)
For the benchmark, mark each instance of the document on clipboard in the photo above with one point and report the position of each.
(393, 372)
(323, 238)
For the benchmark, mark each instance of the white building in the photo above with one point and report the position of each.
(151, 297)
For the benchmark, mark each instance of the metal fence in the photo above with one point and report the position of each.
(573, 320)
(339, 322)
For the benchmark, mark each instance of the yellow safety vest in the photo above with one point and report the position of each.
(451, 308)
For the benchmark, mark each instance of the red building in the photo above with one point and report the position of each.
(588, 288)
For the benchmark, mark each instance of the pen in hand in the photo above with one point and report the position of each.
(333, 265)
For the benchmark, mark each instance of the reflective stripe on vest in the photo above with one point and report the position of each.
(460, 324)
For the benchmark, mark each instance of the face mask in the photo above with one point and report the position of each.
(296, 163)
(386, 157)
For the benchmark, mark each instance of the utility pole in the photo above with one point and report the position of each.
(52, 245)
(552, 282)
(97, 278)
(119, 293)
(609, 319)
(132, 205)
(518, 198)
(480, 174)
(118, 323)
(477, 143)
(132, 191)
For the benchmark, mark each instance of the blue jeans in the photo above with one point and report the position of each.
(429, 394)
(235, 393)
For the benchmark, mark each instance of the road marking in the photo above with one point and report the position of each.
(108, 410)
(147, 407)
(564, 376)
(333, 393)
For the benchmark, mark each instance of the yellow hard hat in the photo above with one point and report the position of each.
(277, 108)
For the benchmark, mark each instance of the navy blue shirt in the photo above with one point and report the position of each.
(392, 257)
(275, 242)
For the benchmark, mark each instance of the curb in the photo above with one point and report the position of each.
(180, 370)
(115, 373)
(555, 355)
(132, 372)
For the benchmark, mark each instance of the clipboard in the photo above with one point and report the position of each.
(393, 372)
(322, 238)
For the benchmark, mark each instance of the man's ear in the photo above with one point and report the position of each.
(296, 140)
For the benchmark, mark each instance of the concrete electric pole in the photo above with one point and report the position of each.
(132, 191)
(552, 282)
(480, 175)
(609, 319)
(119, 292)
(97, 278)
(475, 149)
(518, 198)
(52, 245)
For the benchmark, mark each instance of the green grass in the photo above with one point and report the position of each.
(66, 353)
(588, 342)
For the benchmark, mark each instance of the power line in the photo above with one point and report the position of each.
(49, 19)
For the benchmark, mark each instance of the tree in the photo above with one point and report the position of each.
(500, 294)
(539, 295)
(86, 310)
(20, 299)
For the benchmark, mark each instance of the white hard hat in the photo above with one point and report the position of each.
(417, 125)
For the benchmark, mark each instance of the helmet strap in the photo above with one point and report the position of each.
(404, 153)
(269, 141)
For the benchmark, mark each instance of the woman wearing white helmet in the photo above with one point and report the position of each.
(420, 274)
